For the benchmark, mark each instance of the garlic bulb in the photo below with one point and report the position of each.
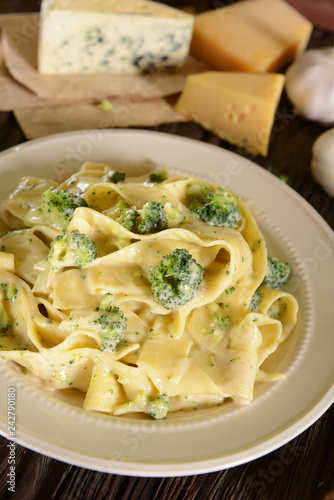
(310, 84)
(322, 166)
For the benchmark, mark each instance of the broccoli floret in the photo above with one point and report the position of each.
(175, 217)
(107, 303)
(56, 209)
(176, 279)
(113, 176)
(277, 273)
(108, 321)
(215, 207)
(111, 326)
(159, 407)
(123, 214)
(153, 218)
(156, 217)
(111, 323)
(73, 249)
(10, 292)
(158, 176)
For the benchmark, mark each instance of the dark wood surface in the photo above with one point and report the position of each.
(303, 469)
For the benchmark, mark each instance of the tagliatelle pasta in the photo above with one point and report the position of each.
(197, 355)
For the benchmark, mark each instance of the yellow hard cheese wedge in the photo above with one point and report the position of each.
(238, 107)
(254, 35)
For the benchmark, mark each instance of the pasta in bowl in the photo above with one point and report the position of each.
(149, 294)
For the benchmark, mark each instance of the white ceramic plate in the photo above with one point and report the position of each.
(219, 438)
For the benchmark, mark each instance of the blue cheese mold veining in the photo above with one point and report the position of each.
(108, 36)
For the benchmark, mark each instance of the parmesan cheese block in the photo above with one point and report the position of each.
(111, 36)
(253, 35)
(238, 107)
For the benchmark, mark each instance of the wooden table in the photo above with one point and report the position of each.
(303, 469)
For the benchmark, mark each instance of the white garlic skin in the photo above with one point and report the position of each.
(322, 166)
(309, 85)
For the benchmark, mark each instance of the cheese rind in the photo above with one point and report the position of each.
(238, 107)
(253, 35)
(107, 36)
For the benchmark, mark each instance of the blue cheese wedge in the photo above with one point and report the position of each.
(111, 36)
